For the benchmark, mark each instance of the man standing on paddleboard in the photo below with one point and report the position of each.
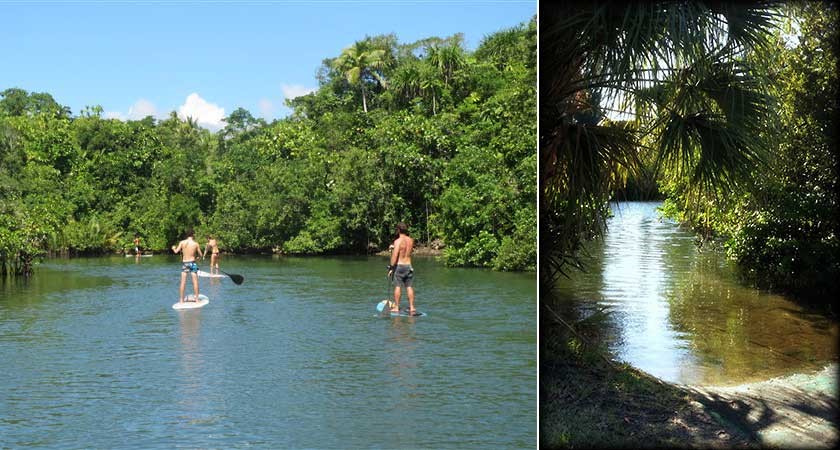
(188, 247)
(400, 268)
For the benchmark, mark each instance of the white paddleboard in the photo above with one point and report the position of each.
(189, 304)
(134, 256)
(204, 274)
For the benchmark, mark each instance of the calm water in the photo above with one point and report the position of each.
(683, 316)
(94, 356)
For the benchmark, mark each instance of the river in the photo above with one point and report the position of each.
(94, 356)
(683, 315)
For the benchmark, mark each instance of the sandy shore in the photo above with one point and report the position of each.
(795, 411)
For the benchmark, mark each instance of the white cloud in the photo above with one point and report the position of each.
(205, 113)
(291, 91)
(266, 108)
(113, 115)
(140, 109)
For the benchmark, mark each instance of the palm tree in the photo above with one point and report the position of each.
(406, 80)
(361, 64)
(430, 83)
(446, 60)
(679, 69)
(439, 68)
(503, 46)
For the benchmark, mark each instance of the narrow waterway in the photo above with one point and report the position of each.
(682, 314)
(92, 355)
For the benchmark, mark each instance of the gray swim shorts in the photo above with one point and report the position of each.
(403, 275)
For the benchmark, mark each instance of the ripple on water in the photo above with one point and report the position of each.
(294, 357)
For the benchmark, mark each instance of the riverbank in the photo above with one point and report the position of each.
(590, 405)
(616, 405)
(419, 250)
(795, 411)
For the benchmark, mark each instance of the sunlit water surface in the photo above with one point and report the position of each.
(683, 315)
(92, 355)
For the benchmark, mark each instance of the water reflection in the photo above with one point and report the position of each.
(189, 338)
(402, 346)
(681, 314)
(188, 380)
(742, 333)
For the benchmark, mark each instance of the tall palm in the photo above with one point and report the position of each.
(431, 83)
(446, 60)
(406, 80)
(361, 63)
(679, 67)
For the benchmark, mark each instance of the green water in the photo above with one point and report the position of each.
(683, 315)
(93, 356)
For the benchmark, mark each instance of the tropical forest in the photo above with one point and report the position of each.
(426, 133)
(356, 268)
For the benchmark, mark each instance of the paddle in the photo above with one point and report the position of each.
(238, 279)
(381, 306)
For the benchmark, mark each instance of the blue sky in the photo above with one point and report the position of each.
(151, 57)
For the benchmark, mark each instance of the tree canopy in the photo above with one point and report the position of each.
(426, 133)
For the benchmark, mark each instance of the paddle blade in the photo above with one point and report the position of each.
(380, 307)
(238, 279)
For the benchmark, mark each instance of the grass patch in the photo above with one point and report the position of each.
(588, 400)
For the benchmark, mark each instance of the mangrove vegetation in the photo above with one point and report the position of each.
(427, 133)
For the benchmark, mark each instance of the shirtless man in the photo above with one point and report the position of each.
(136, 244)
(188, 247)
(401, 268)
(214, 256)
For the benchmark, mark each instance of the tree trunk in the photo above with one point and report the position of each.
(427, 224)
(364, 99)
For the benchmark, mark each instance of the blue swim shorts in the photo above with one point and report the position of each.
(189, 267)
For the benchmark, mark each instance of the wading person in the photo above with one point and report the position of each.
(214, 255)
(401, 270)
(188, 248)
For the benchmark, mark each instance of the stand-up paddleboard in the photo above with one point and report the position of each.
(204, 274)
(190, 304)
(384, 307)
(405, 313)
(134, 256)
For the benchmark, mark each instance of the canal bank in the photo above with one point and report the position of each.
(600, 405)
(617, 405)
(794, 411)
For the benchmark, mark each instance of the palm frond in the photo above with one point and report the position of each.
(681, 65)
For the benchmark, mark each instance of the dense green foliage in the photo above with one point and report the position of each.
(782, 226)
(697, 112)
(675, 66)
(735, 129)
(426, 133)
